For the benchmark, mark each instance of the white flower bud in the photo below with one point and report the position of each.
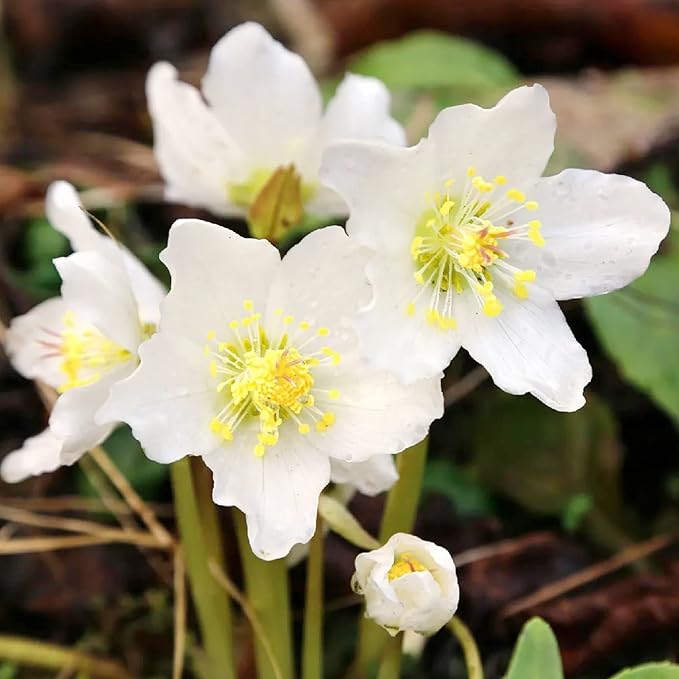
(408, 584)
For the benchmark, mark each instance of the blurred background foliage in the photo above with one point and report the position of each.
(545, 494)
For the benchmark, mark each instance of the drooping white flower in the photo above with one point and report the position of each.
(261, 111)
(409, 584)
(256, 368)
(472, 246)
(83, 341)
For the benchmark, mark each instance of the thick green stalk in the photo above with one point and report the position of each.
(399, 516)
(472, 658)
(197, 521)
(390, 667)
(312, 650)
(266, 585)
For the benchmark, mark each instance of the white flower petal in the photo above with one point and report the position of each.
(372, 477)
(65, 213)
(376, 414)
(97, 289)
(210, 266)
(408, 346)
(359, 110)
(28, 337)
(528, 347)
(322, 279)
(168, 401)
(38, 455)
(197, 156)
(73, 416)
(264, 95)
(515, 138)
(600, 232)
(385, 188)
(277, 492)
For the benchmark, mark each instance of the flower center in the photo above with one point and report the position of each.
(273, 380)
(458, 244)
(247, 192)
(87, 355)
(405, 564)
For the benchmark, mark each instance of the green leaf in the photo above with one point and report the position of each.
(42, 242)
(639, 326)
(536, 655)
(432, 59)
(663, 670)
(469, 497)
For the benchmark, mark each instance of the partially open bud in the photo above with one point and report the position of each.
(408, 584)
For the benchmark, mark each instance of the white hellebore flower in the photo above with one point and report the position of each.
(256, 368)
(409, 584)
(83, 341)
(261, 111)
(472, 246)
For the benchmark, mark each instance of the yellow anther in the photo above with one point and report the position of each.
(419, 278)
(215, 426)
(415, 246)
(334, 394)
(534, 234)
(448, 183)
(446, 207)
(531, 205)
(234, 324)
(528, 276)
(278, 311)
(304, 428)
(471, 171)
(410, 309)
(213, 369)
(288, 320)
(492, 306)
(516, 195)
(404, 565)
(485, 288)
(304, 325)
(211, 335)
(327, 420)
(447, 323)
(259, 450)
(323, 332)
(500, 180)
(248, 305)
(332, 354)
(432, 316)
(520, 290)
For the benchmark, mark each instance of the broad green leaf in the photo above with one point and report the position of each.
(469, 497)
(431, 59)
(663, 670)
(536, 655)
(639, 328)
(546, 460)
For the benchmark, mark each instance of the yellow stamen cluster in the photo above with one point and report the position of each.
(404, 565)
(459, 244)
(270, 380)
(87, 355)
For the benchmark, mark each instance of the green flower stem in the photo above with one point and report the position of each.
(472, 658)
(390, 667)
(312, 651)
(198, 529)
(399, 516)
(266, 585)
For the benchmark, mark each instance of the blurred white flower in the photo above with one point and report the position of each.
(409, 584)
(83, 341)
(261, 111)
(472, 246)
(256, 368)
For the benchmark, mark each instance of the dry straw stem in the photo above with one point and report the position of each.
(464, 386)
(87, 505)
(52, 544)
(179, 614)
(249, 612)
(623, 558)
(49, 656)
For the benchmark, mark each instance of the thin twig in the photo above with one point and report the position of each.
(78, 503)
(66, 524)
(221, 577)
(179, 614)
(555, 589)
(54, 543)
(50, 656)
(464, 386)
(501, 548)
(130, 495)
